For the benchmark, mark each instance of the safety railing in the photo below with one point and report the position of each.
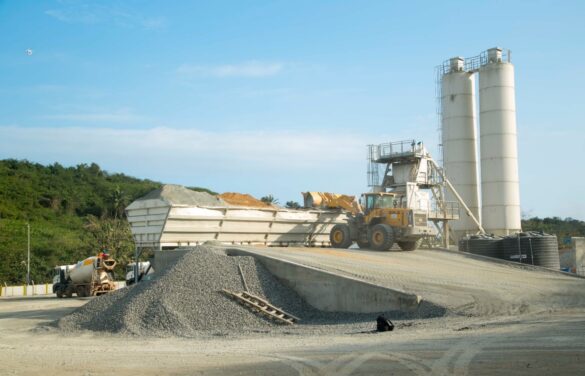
(472, 64)
(450, 210)
(395, 149)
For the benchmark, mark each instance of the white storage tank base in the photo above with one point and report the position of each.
(459, 141)
(498, 146)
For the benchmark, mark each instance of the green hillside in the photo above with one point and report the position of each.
(73, 212)
(564, 229)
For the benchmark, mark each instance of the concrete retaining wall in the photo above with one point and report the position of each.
(332, 292)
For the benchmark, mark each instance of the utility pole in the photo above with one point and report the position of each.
(28, 254)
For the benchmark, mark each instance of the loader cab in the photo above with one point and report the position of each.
(379, 201)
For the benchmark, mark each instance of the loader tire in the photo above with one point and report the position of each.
(410, 245)
(340, 236)
(381, 237)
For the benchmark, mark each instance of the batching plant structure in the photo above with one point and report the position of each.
(500, 196)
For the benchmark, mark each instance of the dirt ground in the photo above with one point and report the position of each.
(487, 333)
(543, 344)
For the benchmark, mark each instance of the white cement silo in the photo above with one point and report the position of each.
(498, 145)
(459, 141)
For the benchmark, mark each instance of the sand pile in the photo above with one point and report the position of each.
(242, 199)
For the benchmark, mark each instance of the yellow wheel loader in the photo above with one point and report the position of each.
(382, 222)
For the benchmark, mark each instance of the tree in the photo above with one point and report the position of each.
(118, 201)
(113, 235)
(270, 199)
(293, 205)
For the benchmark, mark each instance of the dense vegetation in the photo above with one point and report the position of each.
(564, 229)
(73, 213)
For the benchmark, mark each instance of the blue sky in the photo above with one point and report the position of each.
(279, 97)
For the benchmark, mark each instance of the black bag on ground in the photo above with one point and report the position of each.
(384, 325)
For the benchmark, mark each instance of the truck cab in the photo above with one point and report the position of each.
(61, 279)
(144, 269)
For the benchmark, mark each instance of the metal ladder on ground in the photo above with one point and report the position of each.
(259, 305)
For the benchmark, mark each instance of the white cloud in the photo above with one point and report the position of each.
(258, 162)
(123, 115)
(88, 13)
(245, 69)
(265, 148)
(73, 16)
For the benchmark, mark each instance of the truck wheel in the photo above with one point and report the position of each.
(82, 291)
(59, 293)
(410, 245)
(363, 244)
(340, 237)
(381, 237)
(69, 292)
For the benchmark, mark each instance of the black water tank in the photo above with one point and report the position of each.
(484, 245)
(534, 248)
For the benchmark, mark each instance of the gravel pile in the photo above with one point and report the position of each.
(177, 194)
(186, 301)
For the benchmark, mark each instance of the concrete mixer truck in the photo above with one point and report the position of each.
(90, 277)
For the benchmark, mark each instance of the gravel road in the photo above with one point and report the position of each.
(532, 344)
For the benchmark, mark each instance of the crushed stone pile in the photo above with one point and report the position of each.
(177, 194)
(243, 199)
(186, 301)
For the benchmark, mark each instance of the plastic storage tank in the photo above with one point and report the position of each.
(498, 145)
(484, 245)
(534, 248)
(459, 140)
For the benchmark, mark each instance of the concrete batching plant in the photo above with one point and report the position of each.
(500, 196)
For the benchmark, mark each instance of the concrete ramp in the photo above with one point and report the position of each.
(462, 284)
